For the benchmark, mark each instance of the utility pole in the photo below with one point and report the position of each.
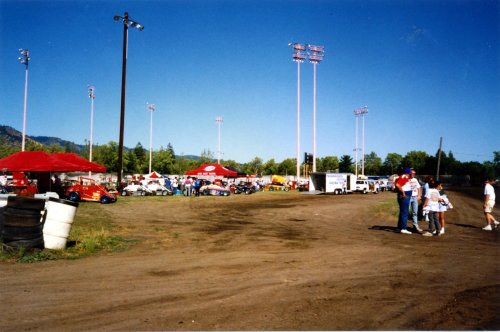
(439, 157)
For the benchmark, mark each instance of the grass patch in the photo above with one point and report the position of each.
(92, 232)
(387, 208)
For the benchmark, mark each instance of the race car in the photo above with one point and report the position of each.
(86, 189)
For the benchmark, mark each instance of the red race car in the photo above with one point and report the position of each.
(86, 189)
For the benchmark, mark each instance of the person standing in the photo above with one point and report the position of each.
(431, 204)
(443, 207)
(425, 189)
(403, 189)
(489, 203)
(416, 192)
(187, 185)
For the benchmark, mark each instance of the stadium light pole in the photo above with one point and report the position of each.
(364, 110)
(357, 112)
(151, 109)
(298, 56)
(218, 120)
(315, 57)
(126, 23)
(24, 58)
(92, 97)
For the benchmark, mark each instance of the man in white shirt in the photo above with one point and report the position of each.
(489, 203)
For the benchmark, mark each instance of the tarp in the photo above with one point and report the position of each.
(39, 161)
(213, 170)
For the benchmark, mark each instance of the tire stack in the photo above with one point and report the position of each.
(22, 222)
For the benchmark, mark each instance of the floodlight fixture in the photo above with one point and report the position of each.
(25, 56)
(128, 21)
(299, 54)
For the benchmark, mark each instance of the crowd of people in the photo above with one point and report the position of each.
(429, 202)
(190, 185)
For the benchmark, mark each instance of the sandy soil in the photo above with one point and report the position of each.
(268, 261)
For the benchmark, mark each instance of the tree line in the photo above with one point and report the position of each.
(165, 161)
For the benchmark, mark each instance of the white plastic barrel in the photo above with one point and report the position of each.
(60, 216)
(4, 198)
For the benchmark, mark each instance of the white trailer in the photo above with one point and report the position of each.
(332, 183)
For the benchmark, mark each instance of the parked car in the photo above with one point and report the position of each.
(362, 186)
(86, 189)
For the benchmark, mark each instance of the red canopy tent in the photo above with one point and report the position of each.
(212, 170)
(154, 175)
(39, 161)
(82, 163)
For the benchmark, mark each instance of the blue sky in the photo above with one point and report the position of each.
(425, 69)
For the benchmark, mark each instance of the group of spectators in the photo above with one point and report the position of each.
(190, 186)
(429, 202)
(426, 202)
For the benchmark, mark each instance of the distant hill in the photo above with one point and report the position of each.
(13, 138)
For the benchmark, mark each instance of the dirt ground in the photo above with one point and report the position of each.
(267, 261)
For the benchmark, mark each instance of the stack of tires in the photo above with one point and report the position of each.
(22, 222)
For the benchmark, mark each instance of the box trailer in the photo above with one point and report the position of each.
(332, 183)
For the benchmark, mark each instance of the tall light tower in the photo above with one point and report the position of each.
(357, 112)
(126, 23)
(315, 57)
(151, 109)
(356, 115)
(24, 58)
(218, 120)
(364, 110)
(299, 56)
(92, 97)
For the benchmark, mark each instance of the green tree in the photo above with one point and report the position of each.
(142, 164)
(170, 149)
(107, 155)
(391, 163)
(231, 163)
(415, 160)
(163, 161)
(345, 164)
(328, 163)
(206, 157)
(5, 149)
(373, 164)
(270, 167)
(255, 166)
(287, 167)
(131, 164)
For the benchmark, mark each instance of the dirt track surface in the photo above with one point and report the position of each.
(268, 261)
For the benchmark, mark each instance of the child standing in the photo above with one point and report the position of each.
(431, 203)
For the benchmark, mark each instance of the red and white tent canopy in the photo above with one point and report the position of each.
(213, 170)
